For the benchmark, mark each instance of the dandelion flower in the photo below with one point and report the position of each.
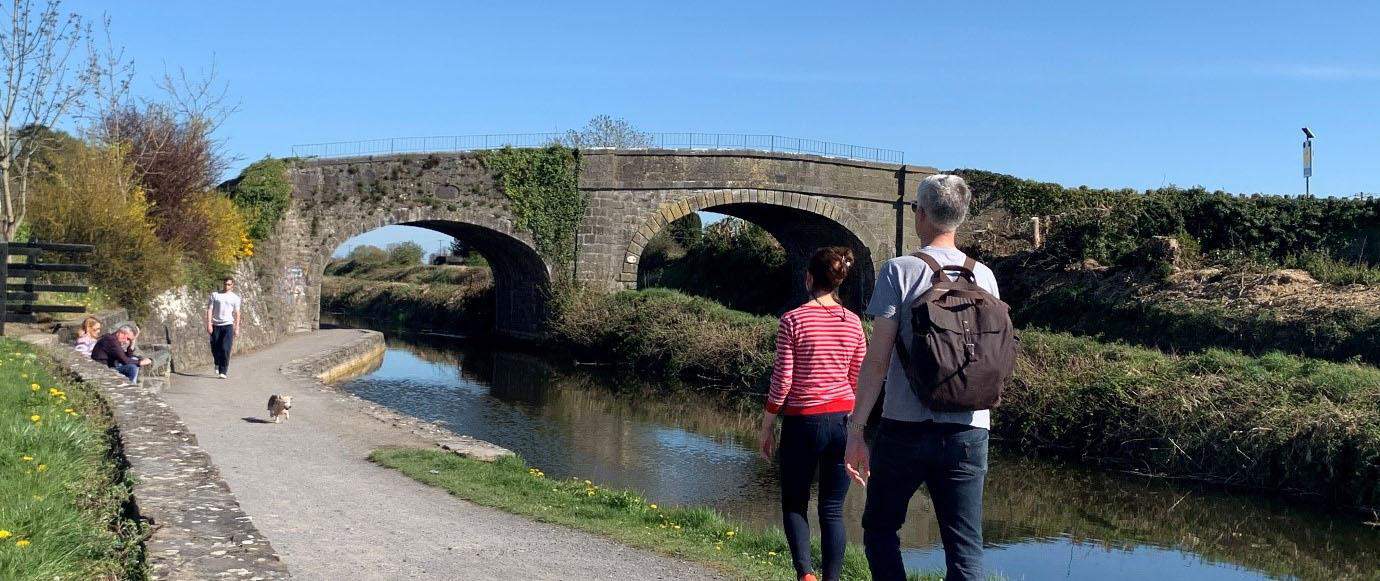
(35, 418)
(67, 411)
(4, 534)
(21, 543)
(26, 458)
(42, 467)
(653, 507)
(729, 533)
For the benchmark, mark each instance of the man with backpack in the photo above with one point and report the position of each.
(942, 341)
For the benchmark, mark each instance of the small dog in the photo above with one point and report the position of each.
(278, 406)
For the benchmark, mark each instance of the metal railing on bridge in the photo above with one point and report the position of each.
(692, 141)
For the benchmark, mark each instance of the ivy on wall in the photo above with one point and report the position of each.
(543, 185)
(263, 193)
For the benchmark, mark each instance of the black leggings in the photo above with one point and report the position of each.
(810, 444)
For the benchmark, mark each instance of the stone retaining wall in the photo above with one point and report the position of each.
(197, 529)
(363, 355)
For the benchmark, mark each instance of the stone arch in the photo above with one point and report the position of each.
(801, 223)
(522, 279)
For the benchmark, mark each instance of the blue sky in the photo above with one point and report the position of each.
(1097, 93)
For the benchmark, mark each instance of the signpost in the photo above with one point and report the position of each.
(1307, 160)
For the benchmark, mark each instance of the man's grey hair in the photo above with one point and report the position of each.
(131, 327)
(944, 198)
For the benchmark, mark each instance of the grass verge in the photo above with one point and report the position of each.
(695, 534)
(63, 493)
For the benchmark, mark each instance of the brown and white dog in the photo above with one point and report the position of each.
(278, 406)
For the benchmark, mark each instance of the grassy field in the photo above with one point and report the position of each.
(695, 534)
(63, 495)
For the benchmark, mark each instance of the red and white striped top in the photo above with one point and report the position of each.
(819, 351)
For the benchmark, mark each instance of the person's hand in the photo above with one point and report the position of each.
(208, 328)
(145, 362)
(766, 442)
(856, 458)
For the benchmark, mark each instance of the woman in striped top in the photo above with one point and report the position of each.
(819, 350)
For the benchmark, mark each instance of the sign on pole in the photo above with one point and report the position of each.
(1308, 158)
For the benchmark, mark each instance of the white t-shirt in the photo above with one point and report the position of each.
(223, 307)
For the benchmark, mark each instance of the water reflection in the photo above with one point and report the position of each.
(1043, 520)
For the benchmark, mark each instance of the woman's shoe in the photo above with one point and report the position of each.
(808, 577)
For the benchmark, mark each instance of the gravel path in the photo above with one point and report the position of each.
(332, 514)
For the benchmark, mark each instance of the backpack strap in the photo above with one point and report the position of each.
(965, 271)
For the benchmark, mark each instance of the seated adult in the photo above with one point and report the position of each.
(90, 333)
(116, 350)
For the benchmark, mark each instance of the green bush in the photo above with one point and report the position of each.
(1271, 227)
(367, 254)
(406, 253)
(88, 197)
(663, 333)
(263, 192)
(715, 264)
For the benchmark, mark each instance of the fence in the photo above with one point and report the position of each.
(17, 299)
(692, 141)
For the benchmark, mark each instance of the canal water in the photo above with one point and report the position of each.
(1042, 520)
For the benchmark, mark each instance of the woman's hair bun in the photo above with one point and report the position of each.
(829, 267)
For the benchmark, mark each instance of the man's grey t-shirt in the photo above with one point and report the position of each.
(901, 282)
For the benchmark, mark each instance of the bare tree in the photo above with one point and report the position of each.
(44, 80)
(172, 147)
(606, 131)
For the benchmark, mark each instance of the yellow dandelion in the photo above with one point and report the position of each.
(772, 553)
(653, 507)
(729, 534)
(35, 418)
(21, 543)
(42, 467)
(67, 411)
(26, 458)
(4, 534)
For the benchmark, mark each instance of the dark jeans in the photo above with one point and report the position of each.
(950, 460)
(130, 370)
(809, 444)
(222, 342)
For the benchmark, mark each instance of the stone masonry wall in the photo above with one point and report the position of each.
(803, 200)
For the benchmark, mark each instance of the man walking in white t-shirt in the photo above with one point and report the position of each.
(222, 324)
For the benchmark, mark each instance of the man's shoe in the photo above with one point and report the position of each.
(808, 577)
(220, 375)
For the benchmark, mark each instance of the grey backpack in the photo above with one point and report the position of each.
(963, 345)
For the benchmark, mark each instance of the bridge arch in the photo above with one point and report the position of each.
(800, 223)
(522, 280)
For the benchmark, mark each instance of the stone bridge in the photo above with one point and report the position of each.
(804, 201)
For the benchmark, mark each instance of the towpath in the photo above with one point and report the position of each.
(334, 515)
